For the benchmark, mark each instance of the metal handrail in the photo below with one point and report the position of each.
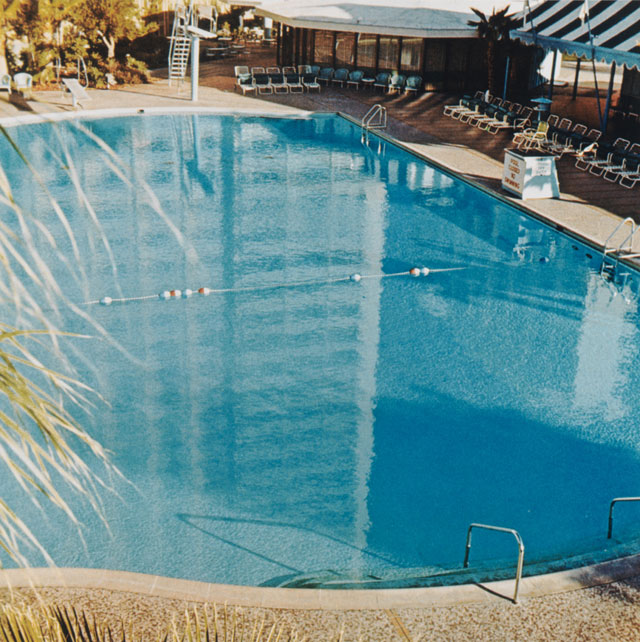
(610, 250)
(520, 551)
(613, 501)
(377, 110)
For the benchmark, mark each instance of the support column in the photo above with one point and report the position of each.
(575, 80)
(553, 74)
(607, 107)
(195, 67)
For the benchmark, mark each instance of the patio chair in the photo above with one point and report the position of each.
(273, 70)
(314, 69)
(563, 142)
(325, 75)
(294, 83)
(288, 70)
(241, 70)
(309, 82)
(413, 85)
(532, 138)
(304, 69)
(5, 83)
(257, 70)
(382, 80)
(628, 165)
(396, 83)
(23, 83)
(596, 157)
(262, 83)
(340, 76)
(245, 83)
(462, 105)
(354, 79)
(278, 83)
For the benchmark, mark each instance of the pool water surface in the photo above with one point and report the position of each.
(301, 424)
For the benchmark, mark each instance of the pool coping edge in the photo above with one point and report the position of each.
(156, 586)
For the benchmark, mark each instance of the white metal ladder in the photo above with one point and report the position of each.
(375, 118)
(180, 42)
(81, 72)
(624, 249)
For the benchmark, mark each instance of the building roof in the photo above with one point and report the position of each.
(559, 24)
(418, 18)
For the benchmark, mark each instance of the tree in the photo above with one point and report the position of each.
(107, 22)
(8, 12)
(42, 23)
(495, 30)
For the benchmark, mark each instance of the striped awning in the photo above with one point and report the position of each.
(561, 25)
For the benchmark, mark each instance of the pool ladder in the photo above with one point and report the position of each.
(624, 250)
(375, 118)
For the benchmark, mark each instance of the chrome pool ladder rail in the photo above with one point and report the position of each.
(607, 250)
(375, 118)
(500, 529)
(611, 505)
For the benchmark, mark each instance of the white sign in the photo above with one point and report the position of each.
(513, 173)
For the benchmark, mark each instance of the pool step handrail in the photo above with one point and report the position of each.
(375, 118)
(611, 505)
(617, 251)
(499, 529)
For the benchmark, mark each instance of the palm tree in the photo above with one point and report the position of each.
(495, 30)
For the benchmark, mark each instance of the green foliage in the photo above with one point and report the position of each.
(494, 29)
(108, 22)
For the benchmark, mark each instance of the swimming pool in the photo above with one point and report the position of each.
(302, 427)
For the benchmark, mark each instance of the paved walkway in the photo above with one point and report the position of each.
(606, 612)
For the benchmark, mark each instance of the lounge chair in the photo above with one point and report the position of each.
(288, 70)
(245, 83)
(413, 85)
(396, 83)
(257, 70)
(5, 83)
(304, 69)
(314, 69)
(596, 157)
(309, 82)
(23, 83)
(382, 80)
(325, 75)
(241, 70)
(462, 105)
(354, 79)
(262, 83)
(278, 83)
(340, 76)
(628, 164)
(273, 70)
(294, 83)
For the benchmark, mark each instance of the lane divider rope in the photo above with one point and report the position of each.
(166, 295)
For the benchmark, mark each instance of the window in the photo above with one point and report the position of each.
(410, 57)
(323, 53)
(367, 51)
(345, 49)
(389, 49)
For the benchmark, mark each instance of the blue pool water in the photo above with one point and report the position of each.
(337, 429)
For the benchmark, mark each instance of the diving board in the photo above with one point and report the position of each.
(78, 93)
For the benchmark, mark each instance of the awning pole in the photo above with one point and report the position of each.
(575, 80)
(595, 80)
(608, 103)
(553, 74)
(506, 78)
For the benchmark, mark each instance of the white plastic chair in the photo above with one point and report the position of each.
(23, 83)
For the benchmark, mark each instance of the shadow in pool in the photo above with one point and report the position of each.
(267, 534)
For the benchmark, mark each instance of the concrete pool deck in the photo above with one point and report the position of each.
(557, 606)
